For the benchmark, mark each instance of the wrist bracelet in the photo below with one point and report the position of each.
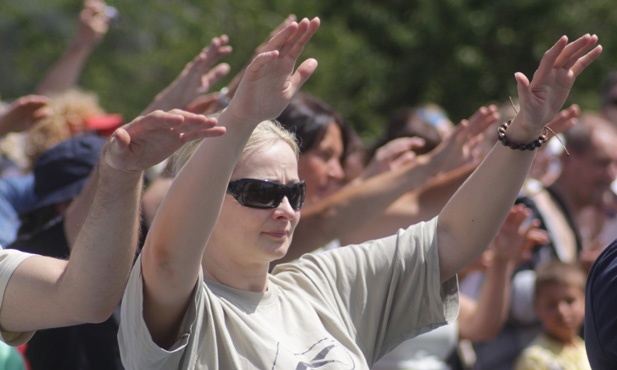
(501, 136)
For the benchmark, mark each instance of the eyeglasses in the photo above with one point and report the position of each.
(266, 194)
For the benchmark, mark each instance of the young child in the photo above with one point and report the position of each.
(559, 303)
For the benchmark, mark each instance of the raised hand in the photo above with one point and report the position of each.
(543, 97)
(517, 236)
(565, 119)
(392, 155)
(197, 77)
(461, 149)
(150, 139)
(23, 113)
(233, 85)
(270, 82)
(93, 23)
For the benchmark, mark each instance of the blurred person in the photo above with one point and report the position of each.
(559, 302)
(583, 181)
(200, 294)
(19, 116)
(608, 98)
(92, 26)
(73, 112)
(39, 292)
(479, 319)
(16, 189)
(600, 321)
(59, 175)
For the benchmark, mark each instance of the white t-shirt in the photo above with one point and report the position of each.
(9, 261)
(341, 309)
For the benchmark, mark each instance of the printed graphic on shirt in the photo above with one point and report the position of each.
(324, 354)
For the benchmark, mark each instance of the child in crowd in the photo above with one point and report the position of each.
(559, 302)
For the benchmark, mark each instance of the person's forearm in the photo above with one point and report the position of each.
(65, 73)
(471, 218)
(354, 206)
(104, 249)
(491, 308)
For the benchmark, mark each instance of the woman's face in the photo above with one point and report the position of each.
(253, 236)
(321, 166)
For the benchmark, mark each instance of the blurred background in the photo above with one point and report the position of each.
(375, 55)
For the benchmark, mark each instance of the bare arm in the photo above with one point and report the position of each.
(482, 319)
(361, 202)
(473, 215)
(91, 28)
(45, 292)
(196, 78)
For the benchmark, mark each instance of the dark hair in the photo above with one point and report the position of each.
(607, 85)
(308, 118)
(409, 122)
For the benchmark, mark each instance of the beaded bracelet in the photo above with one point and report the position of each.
(501, 136)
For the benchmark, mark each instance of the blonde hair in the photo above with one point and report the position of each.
(264, 135)
(70, 109)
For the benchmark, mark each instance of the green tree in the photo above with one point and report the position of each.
(375, 56)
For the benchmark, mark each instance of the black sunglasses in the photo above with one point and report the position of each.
(266, 194)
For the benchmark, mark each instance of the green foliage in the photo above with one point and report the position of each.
(375, 56)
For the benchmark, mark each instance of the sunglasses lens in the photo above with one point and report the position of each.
(261, 194)
(295, 195)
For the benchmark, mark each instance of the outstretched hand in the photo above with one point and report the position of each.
(150, 139)
(197, 77)
(93, 23)
(543, 97)
(23, 113)
(270, 82)
(517, 236)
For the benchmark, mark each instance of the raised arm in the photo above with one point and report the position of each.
(45, 292)
(197, 77)
(92, 26)
(473, 215)
(358, 204)
(172, 254)
(481, 319)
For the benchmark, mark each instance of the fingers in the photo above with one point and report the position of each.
(213, 76)
(583, 62)
(565, 119)
(550, 57)
(304, 71)
(304, 33)
(482, 119)
(278, 40)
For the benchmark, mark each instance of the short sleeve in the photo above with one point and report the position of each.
(9, 261)
(137, 349)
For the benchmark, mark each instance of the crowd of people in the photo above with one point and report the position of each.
(252, 228)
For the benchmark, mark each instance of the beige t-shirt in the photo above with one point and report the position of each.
(340, 309)
(9, 260)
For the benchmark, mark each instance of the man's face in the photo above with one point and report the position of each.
(595, 169)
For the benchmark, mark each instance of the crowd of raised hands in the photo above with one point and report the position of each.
(461, 188)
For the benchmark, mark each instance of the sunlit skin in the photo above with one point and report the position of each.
(561, 310)
(610, 110)
(248, 239)
(594, 171)
(321, 166)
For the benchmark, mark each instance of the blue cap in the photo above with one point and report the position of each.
(600, 303)
(61, 171)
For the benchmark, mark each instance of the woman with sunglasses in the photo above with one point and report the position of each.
(200, 295)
